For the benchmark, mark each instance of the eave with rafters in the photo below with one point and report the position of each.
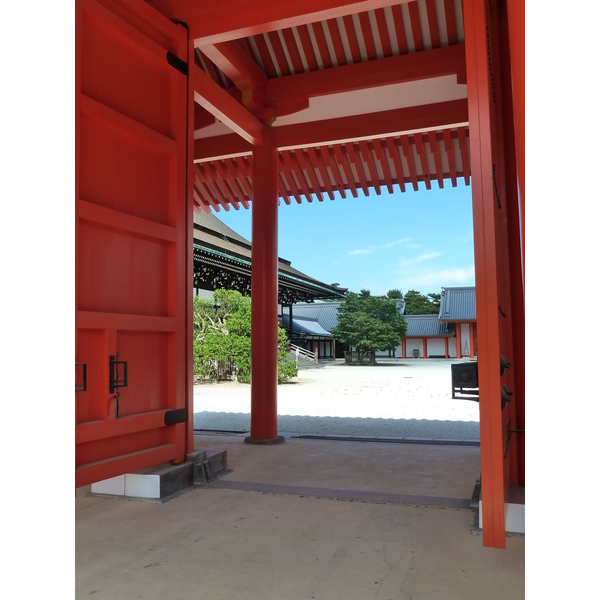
(347, 87)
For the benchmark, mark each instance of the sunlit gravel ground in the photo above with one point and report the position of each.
(395, 398)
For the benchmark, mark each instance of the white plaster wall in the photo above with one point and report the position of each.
(452, 347)
(411, 344)
(465, 341)
(436, 346)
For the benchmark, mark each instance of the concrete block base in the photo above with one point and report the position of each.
(514, 510)
(162, 481)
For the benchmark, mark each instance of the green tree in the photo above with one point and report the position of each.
(222, 339)
(369, 323)
(419, 304)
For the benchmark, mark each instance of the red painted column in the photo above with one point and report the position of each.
(446, 345)
(404, 348)
(263, 394)
(458, 341)
(516, 34)
(481, 133)
(424, 347)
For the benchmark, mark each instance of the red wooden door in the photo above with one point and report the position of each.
(131, 237)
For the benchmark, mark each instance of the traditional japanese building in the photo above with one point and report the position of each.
(223, 259)
(184, 105)
(449, 334)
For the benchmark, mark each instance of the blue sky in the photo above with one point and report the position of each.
(413, 240)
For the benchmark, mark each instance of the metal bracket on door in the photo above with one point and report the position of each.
(114, 381)
(81, 387)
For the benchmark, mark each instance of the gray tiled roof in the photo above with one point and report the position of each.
(457, 304)
(324, 312)
(427, 326)
(305, 325)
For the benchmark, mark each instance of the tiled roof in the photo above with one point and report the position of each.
(222, 255)
(427, 326)
(457, 304)
(324, 312)
(305, 325)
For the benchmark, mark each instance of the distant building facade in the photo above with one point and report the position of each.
(450, 334)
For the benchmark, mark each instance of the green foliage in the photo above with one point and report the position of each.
(369, 323)
(222, 339)
(419, 304)
(286, 368)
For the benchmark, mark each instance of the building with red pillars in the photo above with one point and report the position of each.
(191, 105)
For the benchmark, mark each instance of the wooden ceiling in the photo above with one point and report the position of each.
(362, 96)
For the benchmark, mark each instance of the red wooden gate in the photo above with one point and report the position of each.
(132, 229)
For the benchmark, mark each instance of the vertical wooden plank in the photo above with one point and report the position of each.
(486, 276)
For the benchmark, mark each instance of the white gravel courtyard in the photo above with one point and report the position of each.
(394, 399)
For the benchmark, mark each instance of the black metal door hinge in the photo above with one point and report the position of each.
(177, 415)
(177, 63)
(114, 381)
(81, 386)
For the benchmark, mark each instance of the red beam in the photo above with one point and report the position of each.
(433, 26)
(279, 53)
(310, 175)
(434, 146)
(386, 47)
(365, 27)
(344, 163)
(220, 147)
(265, 55)
(383, 161)
(309, 53)
(395, 156)
(449, 148)
(338, 47)
(367, 156)
(322, 43)
(450, 21)
(363, 75)
(380, 124)
(352, 41)
(211, 22)
(220, 104)
(292, 48)
(316, 161)
(237, 64)
(399, 26)
(422, 154)
(354, 156)
(410, 160)
(329, 161)
(289, 176)
(415, 25)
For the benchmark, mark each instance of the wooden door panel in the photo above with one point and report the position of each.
(131, 238)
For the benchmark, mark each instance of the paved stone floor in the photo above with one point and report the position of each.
(307, 519)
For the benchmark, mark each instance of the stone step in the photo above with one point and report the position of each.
(163, 481)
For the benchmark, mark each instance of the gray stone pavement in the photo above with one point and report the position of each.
(311, 519)
(304, 520)
(395, 399)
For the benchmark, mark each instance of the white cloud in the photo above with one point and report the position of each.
(407, 262)
(371, 249)
(442, 277)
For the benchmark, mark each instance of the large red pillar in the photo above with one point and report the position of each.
(263, 410)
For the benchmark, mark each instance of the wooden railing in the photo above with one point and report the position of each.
(304, 353)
